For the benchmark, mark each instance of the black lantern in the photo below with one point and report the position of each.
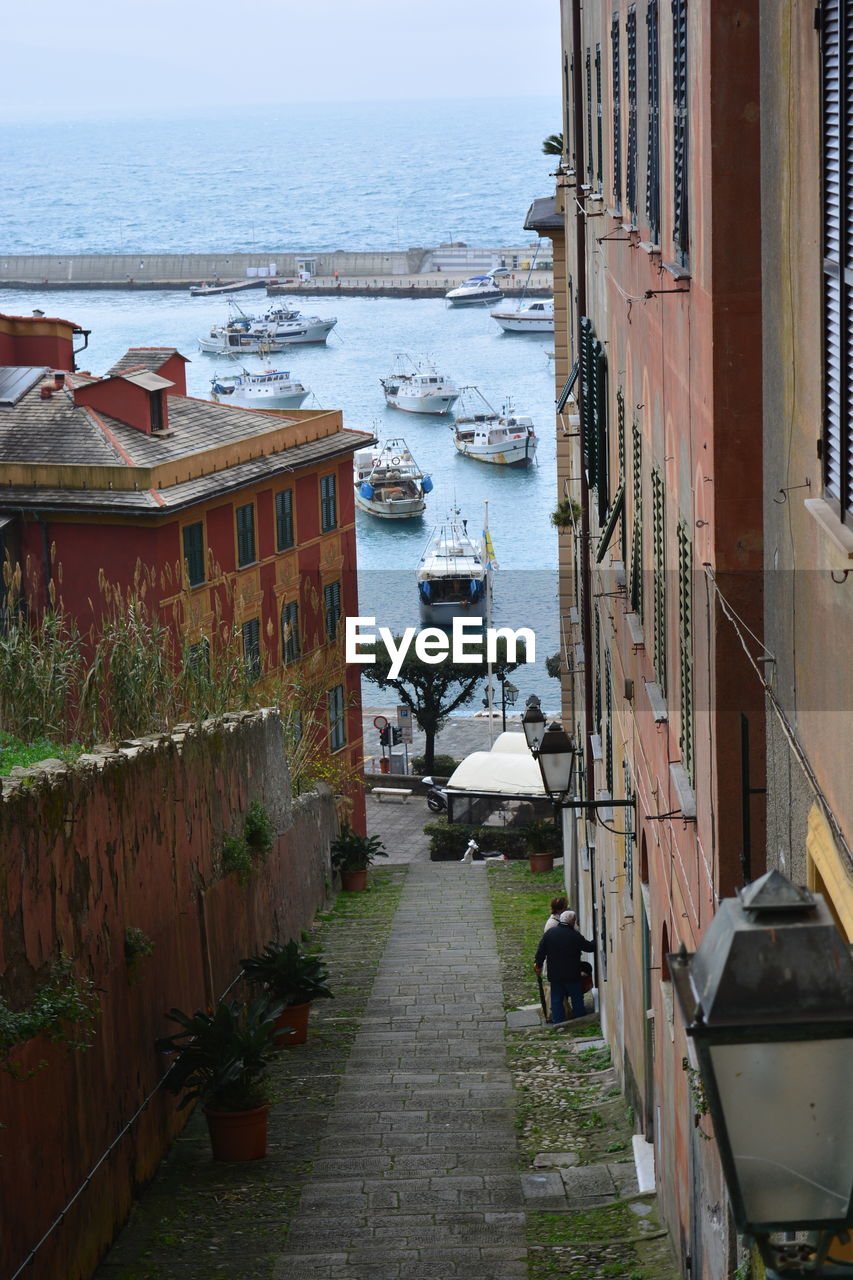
(768, 1003)
(533, 723)
(556, 757)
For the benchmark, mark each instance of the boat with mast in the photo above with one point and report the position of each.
(388, 481)
(506, 438)
(418, 387)
(452, 575)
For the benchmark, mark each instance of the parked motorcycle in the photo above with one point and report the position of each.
(436, 798)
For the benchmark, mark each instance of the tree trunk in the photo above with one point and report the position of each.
(429, 751)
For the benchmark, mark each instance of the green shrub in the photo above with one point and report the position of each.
(64, 1010)
(442, 766)
(237, 858)
(242, 853)
(446, 841)
(259, 830)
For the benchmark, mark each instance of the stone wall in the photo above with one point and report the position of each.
(131, 838)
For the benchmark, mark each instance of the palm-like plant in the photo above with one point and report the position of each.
(288, 974)
(352, 852)
(553, 145)
(223, 1056)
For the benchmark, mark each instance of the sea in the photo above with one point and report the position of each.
(368, 176)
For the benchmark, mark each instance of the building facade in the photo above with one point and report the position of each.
(659, 424)
(233, 518)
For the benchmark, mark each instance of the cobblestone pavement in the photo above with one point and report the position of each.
(417, 1174)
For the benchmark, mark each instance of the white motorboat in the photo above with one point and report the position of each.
(452, 576)
(235, 338)
(528, 317)
(418, 387)
(506, 438)
(388, 481)
(266, 389)
(287, 324)
(475, 289)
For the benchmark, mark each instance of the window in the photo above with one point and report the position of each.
(679, 129)
(332, 602)
(589, 118)
(653, 153)
(246, 535)
(629, 837)
(615, 72)
(252, 648)
(596, 640)
(685, 632)
(284, 538)
(197, 660)
(608, 722)
(155, 401)
(659, 577)
(600, 477)
(635, 584)
(569, 118)
(837, 163)
(328, 504)
(599, 171)
(290, 640)
(620, 443)
(194, 553)
(337, 720)
(631, 172)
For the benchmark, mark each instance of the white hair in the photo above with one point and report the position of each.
(568, 917)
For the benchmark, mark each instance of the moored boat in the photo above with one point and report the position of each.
(265, 389)
(452, 576)
(388, 481)
(529, 317)
(418, 387)
(235, 338)
(474, 290)
(287, 324)
(506, 438)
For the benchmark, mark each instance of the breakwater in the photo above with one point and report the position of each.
(411, 272)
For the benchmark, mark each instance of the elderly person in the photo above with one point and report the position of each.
(562, 947)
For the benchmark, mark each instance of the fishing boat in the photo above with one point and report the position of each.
(506, 438)
(267, 389)
(476, 289)
(287, 324)
(388, 481)
(452, 576)
(235, 338)
(536, 316)
(418, 387)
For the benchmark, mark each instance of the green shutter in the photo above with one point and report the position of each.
(194, 553)
(284, 519)
(332, 596)
(685, 632)
(246, 535)
(252, 648)
(290, 641)
(600, 467)
(586, 388)
(659, 559)
(636, 577)
(328, 504)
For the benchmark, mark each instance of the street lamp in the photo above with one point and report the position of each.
(555, 751)
(768, 1003)
(533, 723)
(509, 693)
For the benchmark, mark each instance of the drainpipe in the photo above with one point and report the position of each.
(580, 288)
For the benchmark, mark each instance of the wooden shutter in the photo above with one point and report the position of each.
(685, 633)
(252, 648)
(659, 577)
(599, 172)
(589, 118)
(601, 466)
(837, 156)
(636, 577)
(616, 89)
(245, 534)
(653, 152)
(284, 519)
(631, 174)
(679, 129)
(586, 387)
(194, 553)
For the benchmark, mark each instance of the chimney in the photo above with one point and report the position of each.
(58, 379)
(46, 392)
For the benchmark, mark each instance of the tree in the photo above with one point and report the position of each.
(553, 144)
(435, 690)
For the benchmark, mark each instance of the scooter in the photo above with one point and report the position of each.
(436, 797)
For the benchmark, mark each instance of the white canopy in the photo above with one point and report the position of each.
(505, 771)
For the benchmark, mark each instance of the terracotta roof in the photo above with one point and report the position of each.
(151, 358)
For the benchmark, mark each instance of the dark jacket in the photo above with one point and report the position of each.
(562, 947)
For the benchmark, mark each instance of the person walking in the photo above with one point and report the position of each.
(558, 906)
(562, 947)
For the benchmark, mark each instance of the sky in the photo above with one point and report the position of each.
(94, 57)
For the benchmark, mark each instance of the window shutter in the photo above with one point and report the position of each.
(837, 140)
(284, 519)
(245, 534)
(290, 640)
(608, 725)
(194, 553)
(617, 112)
(252, 648)
(653, 154)
(659, 583)
(631, 174)
(589, 118)
(685, 631)
(679, 127)
(599, 174)
(586, 387)
(600, 479)
(328, 504)
(332, 594)
(636, 580)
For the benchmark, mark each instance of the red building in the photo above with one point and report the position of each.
(234, 515)
(659, 394)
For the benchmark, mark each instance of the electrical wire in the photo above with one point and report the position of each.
(787, 728)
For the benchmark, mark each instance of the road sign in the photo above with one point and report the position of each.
(379, 722)
(404, 723)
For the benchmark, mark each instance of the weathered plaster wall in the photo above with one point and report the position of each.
(132, 838)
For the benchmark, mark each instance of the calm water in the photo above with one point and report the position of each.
(326, 178)
(298, 177)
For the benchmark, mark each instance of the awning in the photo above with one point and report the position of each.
(610, 523)
(567, 389)
(506, 773)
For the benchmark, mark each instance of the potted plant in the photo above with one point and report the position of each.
(566, 515)
(539, 837)
(352, 854)
(222, 1059)
(292, 977)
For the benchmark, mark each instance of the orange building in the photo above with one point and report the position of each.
(234, 514)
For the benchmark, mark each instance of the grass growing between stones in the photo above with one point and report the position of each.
(521, 903)
(606, 1242)
(202, 1220)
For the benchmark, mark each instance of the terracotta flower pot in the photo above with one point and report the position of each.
(295, 1018)
(353, 880)
(238, 1135)
(541, 861)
